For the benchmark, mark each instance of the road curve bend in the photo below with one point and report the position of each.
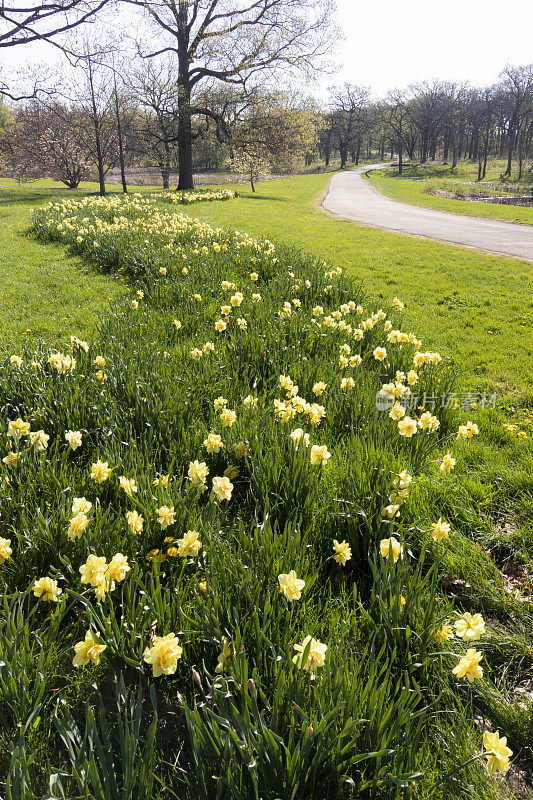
(350, 196)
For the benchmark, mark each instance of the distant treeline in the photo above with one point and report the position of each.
(133, 122)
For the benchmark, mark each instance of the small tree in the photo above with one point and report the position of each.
(251, 163)
(64, 156)
(272, 135)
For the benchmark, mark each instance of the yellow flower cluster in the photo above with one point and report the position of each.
(102, 576)
(188, 197)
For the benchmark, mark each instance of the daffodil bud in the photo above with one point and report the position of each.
(196, 677)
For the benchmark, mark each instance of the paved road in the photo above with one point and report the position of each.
(352, 197)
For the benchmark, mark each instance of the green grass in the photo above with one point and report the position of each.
(45, 292)
(465, 303)
(150, 416)
(385, 691)
(416, 185)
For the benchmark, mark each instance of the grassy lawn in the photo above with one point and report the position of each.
(417, 185)
(46, 293)
(460, 301)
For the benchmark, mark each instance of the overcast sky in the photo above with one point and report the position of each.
(390, 44)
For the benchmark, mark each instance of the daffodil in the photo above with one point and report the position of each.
(290, 585)
(163, 656)
(17, 429)
(77, 525)
(392, 547)
(343, 552)
(468, 666)
(447, 463)
(128, 484)
(440, 530)
(100, 471)
(213, 443)
(319, 455)
(135, 521)
(5, 550)
(470, 627)
(222, 487)
(166, 516)
(407, 427)
(47, 589)
(316, 654)
(39, 440)
(497, 752)
(190, 544)
(88, 650)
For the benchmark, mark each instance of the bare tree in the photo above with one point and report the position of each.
(350, 118)
(517, 83)
(22, 22)
(228, 42)
(396, 115)
(154, 91)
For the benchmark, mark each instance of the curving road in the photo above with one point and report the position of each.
(350, 196)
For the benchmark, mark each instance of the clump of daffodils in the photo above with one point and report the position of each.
(102, 576)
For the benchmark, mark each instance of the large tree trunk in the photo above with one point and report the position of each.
(343, 150)
(454, 156)
(400, 156)
(485, 154)
(424, 149)
(520, 154)
(184, 104)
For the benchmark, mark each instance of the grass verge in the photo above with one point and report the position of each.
(418, 185)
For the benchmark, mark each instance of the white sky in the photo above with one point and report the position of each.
(389, 44)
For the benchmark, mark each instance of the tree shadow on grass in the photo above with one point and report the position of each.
(16, 197)
(267, 197)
